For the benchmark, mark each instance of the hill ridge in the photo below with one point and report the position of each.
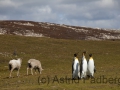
(53, 30)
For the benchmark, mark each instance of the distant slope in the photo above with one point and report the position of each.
(52, 30)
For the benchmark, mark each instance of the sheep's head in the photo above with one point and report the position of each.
(20, 60)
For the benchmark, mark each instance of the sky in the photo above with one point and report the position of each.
(89, 13)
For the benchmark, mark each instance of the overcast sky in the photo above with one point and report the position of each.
(90, 13)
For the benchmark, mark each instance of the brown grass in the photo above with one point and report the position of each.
(56, 57)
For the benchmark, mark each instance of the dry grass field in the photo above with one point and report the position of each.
(56, 56)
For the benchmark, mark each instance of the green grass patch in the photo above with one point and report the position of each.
(56, 56)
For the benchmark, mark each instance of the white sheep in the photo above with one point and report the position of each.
(34, 64)
(15, 65)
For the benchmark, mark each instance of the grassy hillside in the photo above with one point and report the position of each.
(56, 57)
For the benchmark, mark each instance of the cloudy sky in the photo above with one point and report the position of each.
(90, 13)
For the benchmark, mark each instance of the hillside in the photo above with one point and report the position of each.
(52, 30)
(56, 57)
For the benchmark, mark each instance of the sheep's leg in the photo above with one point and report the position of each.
(32, 71)
(10, 73)
(39, 71)
(35, 72)
(18, 73)
(27, 70)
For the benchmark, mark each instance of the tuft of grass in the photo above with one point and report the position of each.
(56, 56)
